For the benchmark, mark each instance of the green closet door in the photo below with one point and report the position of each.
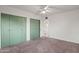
(22, 28)
(34, 29)
(17, 30)
(5, 30)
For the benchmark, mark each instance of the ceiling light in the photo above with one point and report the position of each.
(43, 12)
(47, 11)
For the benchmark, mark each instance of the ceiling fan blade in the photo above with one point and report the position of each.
(46, 7)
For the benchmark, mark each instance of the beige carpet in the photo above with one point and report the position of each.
(43, 45)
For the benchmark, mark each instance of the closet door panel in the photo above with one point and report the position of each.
(34, 29)
(17, 27)
(5, 30)
(22, 26)
(13, 30)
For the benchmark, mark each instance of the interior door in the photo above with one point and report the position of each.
(5, 30)
(34, 29)
(17, 30)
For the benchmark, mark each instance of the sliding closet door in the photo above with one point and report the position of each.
(5, 30)
(34, 29)
(17, 30)
(13, 30)
(22, 29)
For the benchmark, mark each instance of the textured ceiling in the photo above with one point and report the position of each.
(52, 8)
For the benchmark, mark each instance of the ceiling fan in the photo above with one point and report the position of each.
(44, 9)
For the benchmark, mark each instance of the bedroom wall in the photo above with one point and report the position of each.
(64, 26)
(17, 12)
(44, 27)
(0, 29)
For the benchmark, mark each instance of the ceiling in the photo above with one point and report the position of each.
(52, 8)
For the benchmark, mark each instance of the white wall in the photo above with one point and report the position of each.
(17, 12)
(65, 26)
(0, 30)
(44, 27)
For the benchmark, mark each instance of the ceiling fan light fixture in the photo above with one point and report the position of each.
(47, 11)
(43, 12)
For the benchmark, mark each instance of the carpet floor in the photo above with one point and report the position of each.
(43, 45)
